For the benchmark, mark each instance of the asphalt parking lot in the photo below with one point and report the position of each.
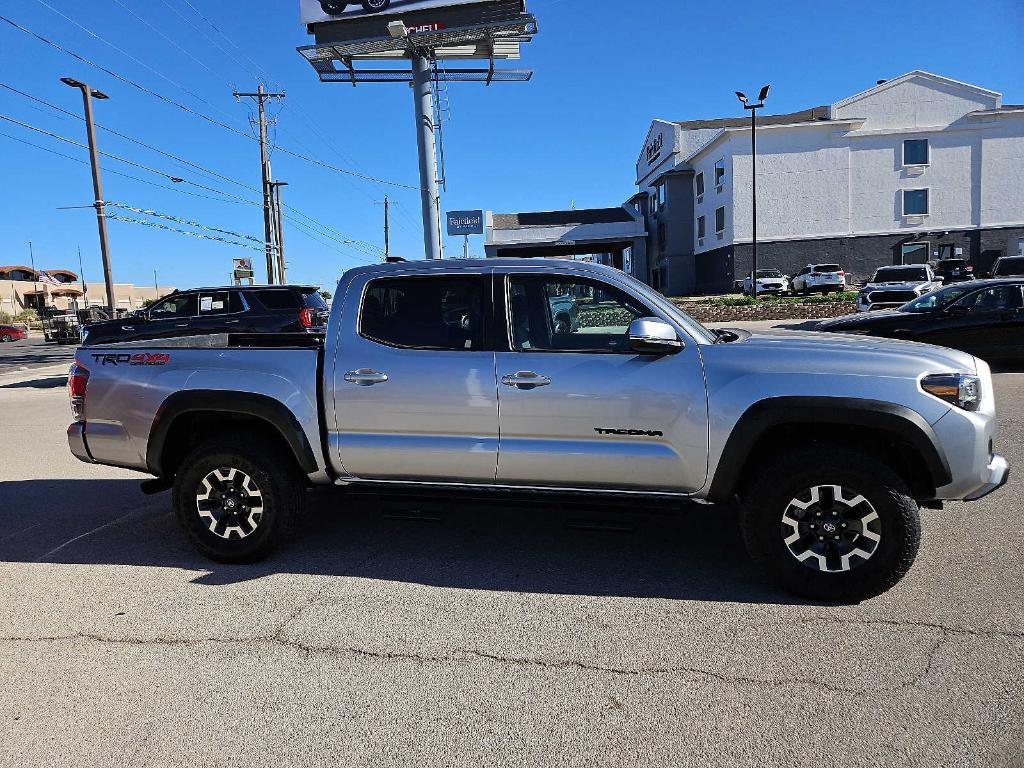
(402, 633)
(33, 353)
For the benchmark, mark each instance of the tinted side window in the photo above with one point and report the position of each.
(993, 299)
(236, 302)
(213, 303)
(436, 312)
(278, 299)
(568, 314)
(183, 305)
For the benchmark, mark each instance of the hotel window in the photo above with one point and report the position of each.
(915, 152)
(701, 227)
(657, 197)
(700, 184)
(915, 253)
(720, 219)
(915, 202)
(719, 172)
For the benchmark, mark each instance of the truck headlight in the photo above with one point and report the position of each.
(960, 389)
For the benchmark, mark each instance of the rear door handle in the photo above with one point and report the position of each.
(127, 327)
(364, 377)
(525, 379)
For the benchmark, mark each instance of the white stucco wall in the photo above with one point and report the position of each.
(918, 102)
(1002, 169)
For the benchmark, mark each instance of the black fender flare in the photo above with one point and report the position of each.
(262, 407)
(898, 420)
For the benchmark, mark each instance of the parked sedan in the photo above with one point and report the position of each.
(12, 333)
(770, 281)
(198, 311)
(984, 318)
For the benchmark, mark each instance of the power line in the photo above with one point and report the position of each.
(312, 223)
(228, 39)
(157, 225)
(193, 112)
(170, 40)
(138, 61)
(213, 42)
(180, 220)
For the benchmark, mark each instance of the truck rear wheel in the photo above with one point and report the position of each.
(237, 499)
(831, 524)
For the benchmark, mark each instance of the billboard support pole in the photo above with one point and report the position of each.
(423, 97)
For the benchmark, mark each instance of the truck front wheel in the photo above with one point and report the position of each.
(831, 524)
(375, 6)
(236, 499)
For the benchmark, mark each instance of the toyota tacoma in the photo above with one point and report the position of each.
(457, 377)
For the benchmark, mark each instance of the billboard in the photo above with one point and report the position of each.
(321, 11)
(465, 223)
(242, 270)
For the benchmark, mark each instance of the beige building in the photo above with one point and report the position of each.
(22, 288)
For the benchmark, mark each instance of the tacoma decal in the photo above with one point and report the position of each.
(124, 358)
(636, 432)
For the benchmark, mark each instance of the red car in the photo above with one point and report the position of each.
(12, 333)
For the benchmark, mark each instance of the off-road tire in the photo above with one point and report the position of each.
(375, 6)
(898, 522)
(271, 470)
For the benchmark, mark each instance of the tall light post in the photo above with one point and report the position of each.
(753, 179)
(275, 187)
(88, 94)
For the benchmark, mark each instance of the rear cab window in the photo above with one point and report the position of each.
(438, 312)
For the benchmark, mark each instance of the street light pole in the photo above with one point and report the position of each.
(279, 229)
(753, 180)
(97, 186)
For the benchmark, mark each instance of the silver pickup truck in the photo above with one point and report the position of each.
(456, 376)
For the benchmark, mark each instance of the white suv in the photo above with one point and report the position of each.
(825, 278)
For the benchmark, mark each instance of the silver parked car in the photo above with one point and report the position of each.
(457, 376)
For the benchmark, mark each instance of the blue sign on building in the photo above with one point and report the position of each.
(465, 222)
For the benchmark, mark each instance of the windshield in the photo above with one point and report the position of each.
(936, 299)
(951, 264)
(1013, 265)
(901, 275)
(768, 273)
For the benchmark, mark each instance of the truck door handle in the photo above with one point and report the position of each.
(181, 325)
(127, 327)
(525, 379)
(364, 377)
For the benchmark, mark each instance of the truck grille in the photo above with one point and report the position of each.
(891, 297)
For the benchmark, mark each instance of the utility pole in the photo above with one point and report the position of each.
(88, 94)
(387, 244)
(465, 247)
(81, 275)
(156, 286)
(35, 277)
(260, 97)
(279, 229)
(423, 97)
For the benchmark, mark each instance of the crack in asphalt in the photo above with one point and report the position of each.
(465, 655)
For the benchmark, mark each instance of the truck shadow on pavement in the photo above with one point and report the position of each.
(694, 554)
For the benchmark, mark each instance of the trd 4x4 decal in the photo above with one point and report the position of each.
(124, 358)
(632, 432)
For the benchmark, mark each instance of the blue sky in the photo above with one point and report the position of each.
(603, 70)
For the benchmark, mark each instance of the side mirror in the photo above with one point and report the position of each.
(651, 336)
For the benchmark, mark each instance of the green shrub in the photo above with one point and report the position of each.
(27, 316)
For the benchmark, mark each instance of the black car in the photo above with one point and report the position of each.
(1008, 266)
(983, 317)
(235, 309)
(954, 271)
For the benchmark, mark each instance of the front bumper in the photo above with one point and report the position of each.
(76, 441)
(998, 473)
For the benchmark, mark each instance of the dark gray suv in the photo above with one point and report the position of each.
(232, 309)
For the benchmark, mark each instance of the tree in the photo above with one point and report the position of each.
(326, 295)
